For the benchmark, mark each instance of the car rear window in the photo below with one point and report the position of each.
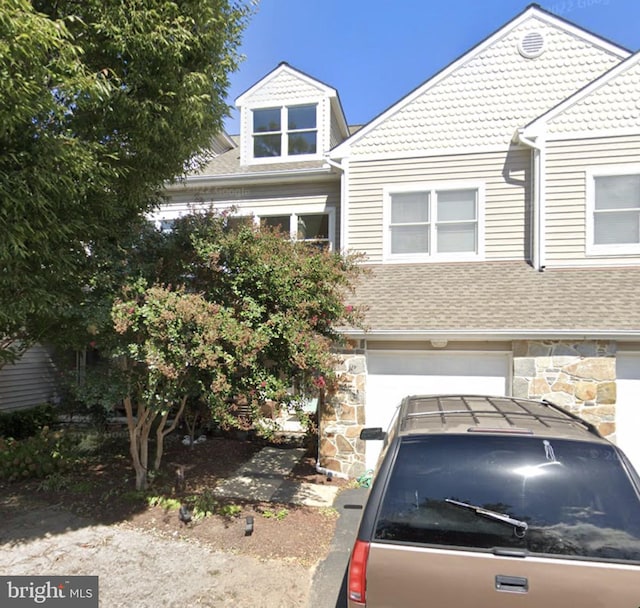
(558, 497)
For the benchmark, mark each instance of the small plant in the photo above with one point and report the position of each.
(56, 482)
(135, 496)
(168, 504)
(81, 487)
(110, 494)
(204, 504)
(230, 511)
(329, 512)
(279, 515)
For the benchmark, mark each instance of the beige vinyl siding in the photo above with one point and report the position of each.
(507, 203)
(28, 382)
(565, 195)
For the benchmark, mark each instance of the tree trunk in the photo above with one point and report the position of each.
(161, 433)
(139, 439)
(191, 426)
(134, 445)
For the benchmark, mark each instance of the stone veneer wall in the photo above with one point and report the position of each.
(580, 376)
(341, 417)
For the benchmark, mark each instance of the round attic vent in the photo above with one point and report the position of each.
(531, 45)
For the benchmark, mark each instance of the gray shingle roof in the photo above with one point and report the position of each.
(228, 164)
(499, 297)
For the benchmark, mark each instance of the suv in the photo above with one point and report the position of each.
(496, 502)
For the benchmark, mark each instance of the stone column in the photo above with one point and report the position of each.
(580, 376)
(341, 417)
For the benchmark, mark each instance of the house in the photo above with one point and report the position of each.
(276, 170)
(498, 206)
(30, 381)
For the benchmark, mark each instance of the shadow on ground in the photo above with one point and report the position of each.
(99, 489)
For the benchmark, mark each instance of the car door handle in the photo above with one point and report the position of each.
(514, 584)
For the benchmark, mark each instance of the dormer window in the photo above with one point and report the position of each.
(299, 138)
(267, 133)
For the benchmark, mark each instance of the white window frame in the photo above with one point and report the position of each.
(284, 133)
(432, 188)
(591, 248)
(295, 213)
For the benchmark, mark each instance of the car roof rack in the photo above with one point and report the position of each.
(430, 412)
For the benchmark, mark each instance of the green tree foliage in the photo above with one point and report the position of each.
(101, 102)
(292, 292)
(173, 345)
(231, 317)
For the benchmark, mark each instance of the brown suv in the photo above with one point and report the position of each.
(497, 502)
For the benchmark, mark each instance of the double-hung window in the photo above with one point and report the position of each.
(267, 132)
(301, 130)
(285, 131)
(613, 211)
(434, 222)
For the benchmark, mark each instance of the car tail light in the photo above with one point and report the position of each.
(358, 572)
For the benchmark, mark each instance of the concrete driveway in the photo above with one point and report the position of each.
(329, 585)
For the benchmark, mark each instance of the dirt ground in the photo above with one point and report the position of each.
(92, 522)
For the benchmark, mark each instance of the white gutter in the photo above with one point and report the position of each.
(490, 334)
(261, 176)
(344, 202)
(538, 220)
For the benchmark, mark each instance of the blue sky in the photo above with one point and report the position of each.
(376, 51)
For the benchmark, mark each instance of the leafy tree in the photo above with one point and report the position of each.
(101, 102)
(234, 317)
(293, 292)
(173, 342)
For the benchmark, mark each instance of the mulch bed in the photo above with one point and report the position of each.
(100, 488)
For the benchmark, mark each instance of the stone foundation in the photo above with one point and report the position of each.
(341, 417)
(580, 376)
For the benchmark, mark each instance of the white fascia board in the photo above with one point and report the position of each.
(285, 67)
(595, 262)
(535, 125)
(533, 11)
(336, 106)
(289, 175)
(494, 334)
(225, 139)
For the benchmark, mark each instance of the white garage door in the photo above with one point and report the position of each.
(628, 405)
(393, 375)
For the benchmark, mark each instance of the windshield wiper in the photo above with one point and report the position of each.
(521, 527)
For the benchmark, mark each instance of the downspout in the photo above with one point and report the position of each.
(344, 202)
(539, 186)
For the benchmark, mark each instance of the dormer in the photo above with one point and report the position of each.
(289, 117)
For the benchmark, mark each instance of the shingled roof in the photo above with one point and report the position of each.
(228, 164)
(510, 299)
